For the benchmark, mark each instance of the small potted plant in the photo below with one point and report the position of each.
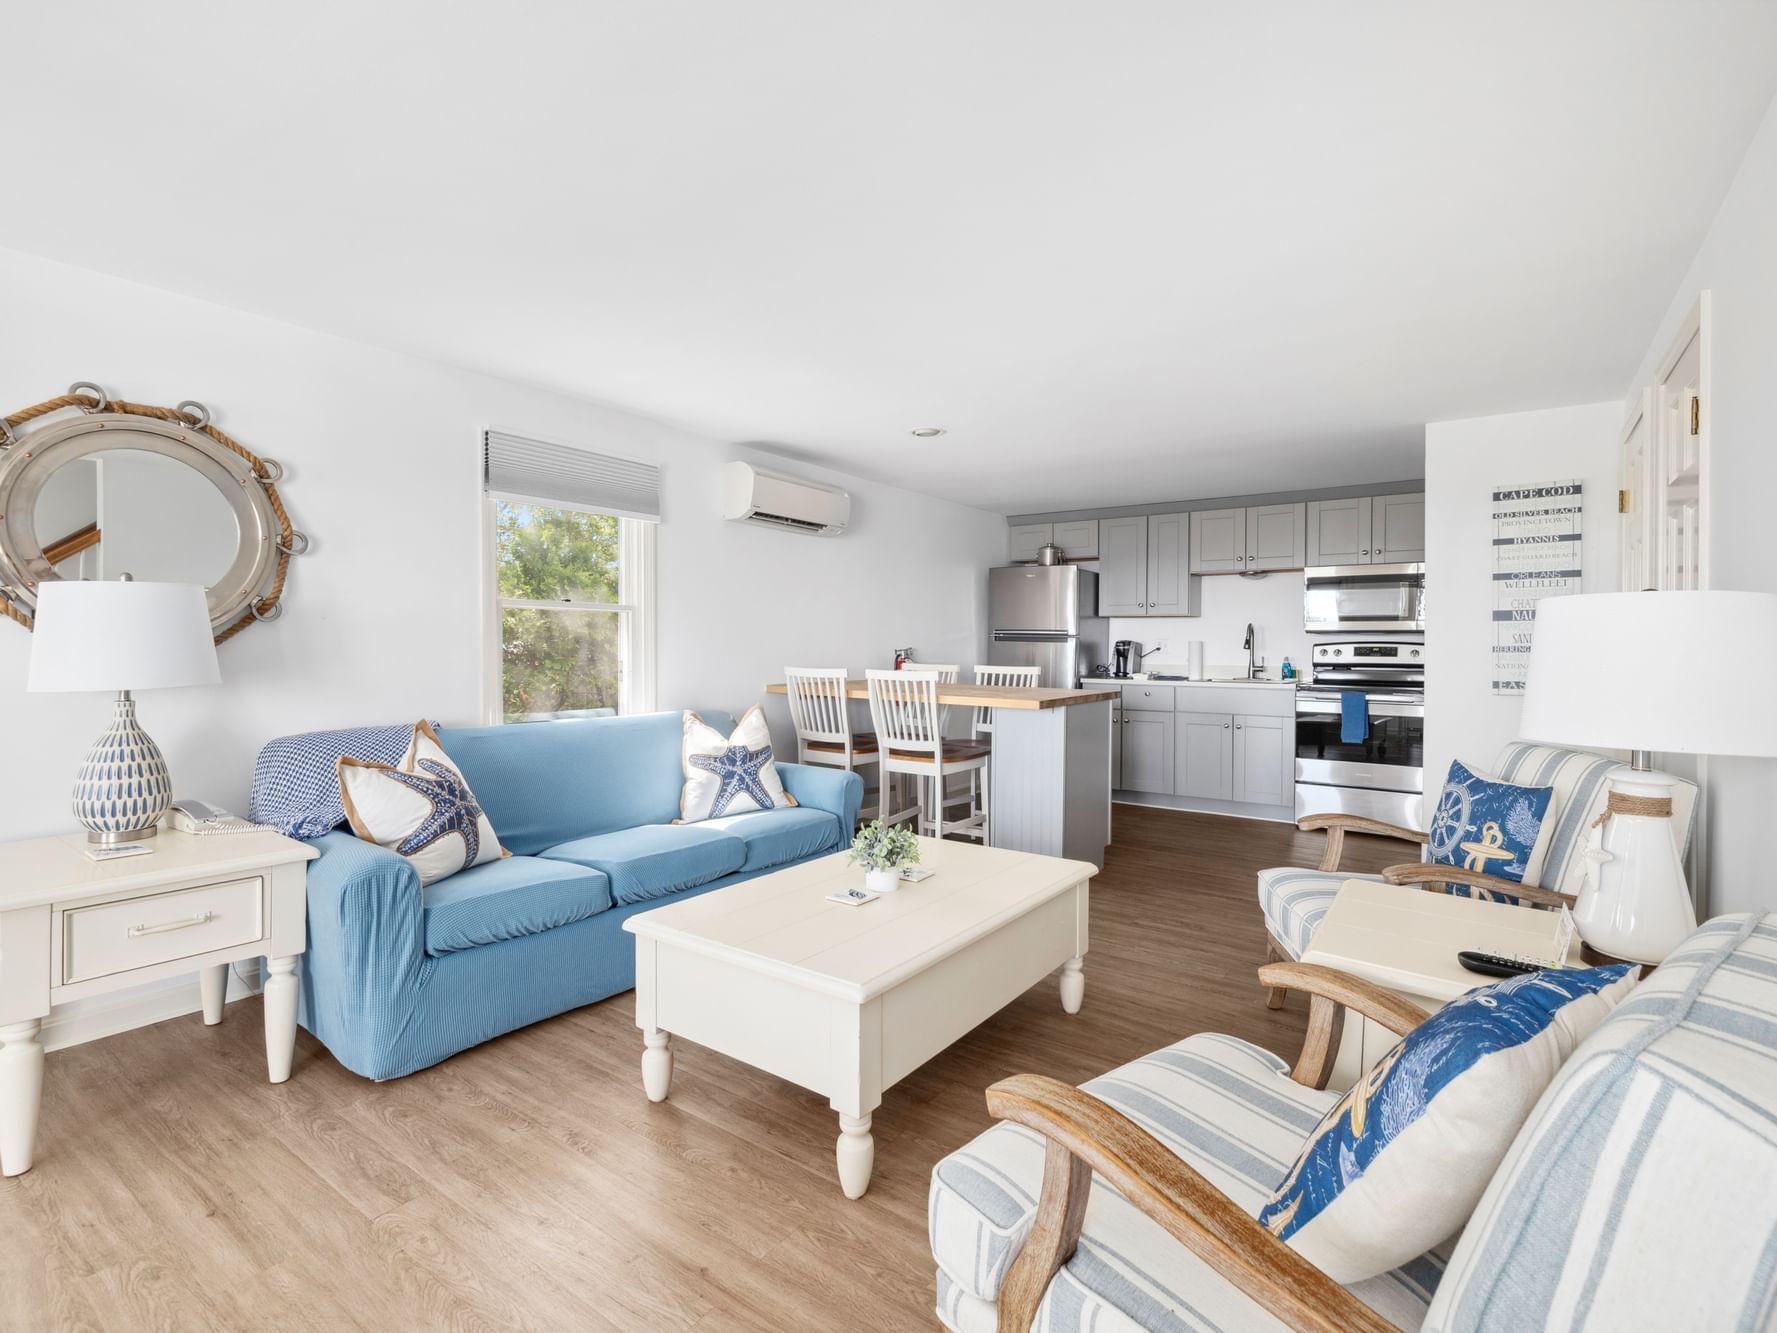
(882, 849)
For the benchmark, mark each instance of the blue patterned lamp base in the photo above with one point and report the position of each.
(123, 787)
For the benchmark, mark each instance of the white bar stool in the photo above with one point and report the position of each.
(1020, 677)
(821, 715)
(904, 712)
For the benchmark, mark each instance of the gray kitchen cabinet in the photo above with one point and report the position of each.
(1116, 747)
(1205, 765)
(1078, 541)
(1123, 566)
(1339, 531)
(1397, 526)
(1218, 541)
(1275, 537)
(1173, 590)
(1147, 751)
(1264, 761)
(1024, 540)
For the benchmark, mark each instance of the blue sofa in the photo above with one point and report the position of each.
(397, 977)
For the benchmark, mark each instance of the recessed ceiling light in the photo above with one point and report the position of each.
(927, 432)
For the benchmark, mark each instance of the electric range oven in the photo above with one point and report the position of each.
(1382, 775)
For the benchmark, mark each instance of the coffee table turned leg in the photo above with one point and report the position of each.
(856, 1151)
(657, 1064)
(1073, 985)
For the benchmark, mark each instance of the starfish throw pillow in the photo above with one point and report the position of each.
(421, 809)
(726, 775)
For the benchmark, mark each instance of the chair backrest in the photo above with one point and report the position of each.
(1638, 1194)
(818, 706)
(904, 711)
(1024, 677)
(1581, 780)
(947, 674)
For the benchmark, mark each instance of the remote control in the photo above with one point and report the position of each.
(1495, 965)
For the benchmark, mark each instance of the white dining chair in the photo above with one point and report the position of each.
(1019, 677)
(948, 674)
(904, 713)
(821, 714)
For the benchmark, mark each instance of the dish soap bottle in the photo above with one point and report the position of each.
(1286, 671)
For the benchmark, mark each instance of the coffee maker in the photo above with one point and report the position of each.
(1126, 657)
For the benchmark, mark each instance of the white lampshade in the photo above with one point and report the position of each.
(1654, 671)
(121, 636)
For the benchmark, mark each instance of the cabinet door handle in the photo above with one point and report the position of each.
(1366, 552)
(1224, 726)
(1237, 726)
(202, 918)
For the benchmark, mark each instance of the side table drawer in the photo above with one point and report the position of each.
(138, 932)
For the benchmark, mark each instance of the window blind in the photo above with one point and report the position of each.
(576, 478)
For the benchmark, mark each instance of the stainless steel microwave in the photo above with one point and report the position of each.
(1369, 597)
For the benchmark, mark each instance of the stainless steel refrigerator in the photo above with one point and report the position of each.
(1047, 616)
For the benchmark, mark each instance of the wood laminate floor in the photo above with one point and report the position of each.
(529, 1183)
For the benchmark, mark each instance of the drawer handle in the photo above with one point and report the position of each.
(200, 919)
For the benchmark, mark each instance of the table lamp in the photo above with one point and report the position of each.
(121, 636)
(1645, 672)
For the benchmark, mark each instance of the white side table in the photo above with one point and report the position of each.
(1407, 940)
(72, 928)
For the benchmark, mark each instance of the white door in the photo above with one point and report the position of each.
(1679, 466)
(1636, 540)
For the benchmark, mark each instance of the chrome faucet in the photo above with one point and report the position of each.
(1252, 670)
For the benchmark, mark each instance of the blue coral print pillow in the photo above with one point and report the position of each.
(1492, 827)
(1400, 1163)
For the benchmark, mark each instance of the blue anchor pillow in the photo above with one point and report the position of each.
(421, 809)
(727, 775)
(1399, 1164)
(1496, 828)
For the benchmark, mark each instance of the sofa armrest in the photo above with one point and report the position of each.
(1082, 1135)
(365, 919)
(822, 788)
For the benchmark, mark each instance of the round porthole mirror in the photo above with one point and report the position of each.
(111, 492)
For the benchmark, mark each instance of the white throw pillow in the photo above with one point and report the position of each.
(1398, 1165)
(421, 810)
(727, 775)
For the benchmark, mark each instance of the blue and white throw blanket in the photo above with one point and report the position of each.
(295, 781)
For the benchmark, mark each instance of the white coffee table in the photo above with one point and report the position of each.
(847, 1001)
(1407, 940)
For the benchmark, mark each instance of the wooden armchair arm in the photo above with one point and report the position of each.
(1337, 826)
(1330, 990)
(1433, 878)
(1082, 1135)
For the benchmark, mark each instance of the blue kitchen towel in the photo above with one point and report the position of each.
(1354, 717)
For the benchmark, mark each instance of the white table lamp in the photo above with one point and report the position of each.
(121, 636)
(1648, 672)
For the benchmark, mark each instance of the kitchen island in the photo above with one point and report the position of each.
(1050, 790)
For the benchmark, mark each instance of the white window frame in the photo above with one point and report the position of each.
(635, 592)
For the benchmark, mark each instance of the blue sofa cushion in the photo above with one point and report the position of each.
(654, 860)
(504, 899)
(777, 837)
(545, 784)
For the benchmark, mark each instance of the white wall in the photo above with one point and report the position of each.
(382, 622)
(1271, 604)
(1737, 264)
(1464, 462)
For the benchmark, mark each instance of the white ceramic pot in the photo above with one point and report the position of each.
(882, 881)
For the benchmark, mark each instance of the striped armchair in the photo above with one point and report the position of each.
(1294, 900)
(1640, 1194)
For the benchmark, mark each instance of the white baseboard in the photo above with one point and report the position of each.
(107, 1015)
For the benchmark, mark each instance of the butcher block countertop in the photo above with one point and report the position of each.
(991, 696)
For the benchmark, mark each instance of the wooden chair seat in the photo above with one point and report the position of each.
(955, 752)
(862, 742)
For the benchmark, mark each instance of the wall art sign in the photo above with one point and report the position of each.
(1536, 554)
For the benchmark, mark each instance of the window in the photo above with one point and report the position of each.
(571, 596)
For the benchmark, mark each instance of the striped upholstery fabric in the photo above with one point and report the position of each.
(1294, 901)
(1642, 1194)
(1226, 1107)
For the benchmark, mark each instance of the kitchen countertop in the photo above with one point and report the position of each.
(996, 696)
(1198, 684)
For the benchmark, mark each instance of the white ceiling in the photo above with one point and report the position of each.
(1125, 251)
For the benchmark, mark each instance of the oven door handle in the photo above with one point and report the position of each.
(1314, 708)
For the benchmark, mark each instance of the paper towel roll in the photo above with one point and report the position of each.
(1195, 658)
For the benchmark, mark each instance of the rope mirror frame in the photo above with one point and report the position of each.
(251, 589)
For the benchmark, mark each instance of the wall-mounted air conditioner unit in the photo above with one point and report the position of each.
(752, 494)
